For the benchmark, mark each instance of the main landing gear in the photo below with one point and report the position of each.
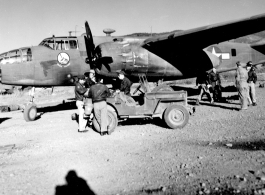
(30, 110)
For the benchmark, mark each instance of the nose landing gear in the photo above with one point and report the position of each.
(30, 110)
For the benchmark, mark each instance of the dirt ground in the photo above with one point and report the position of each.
(220, 151)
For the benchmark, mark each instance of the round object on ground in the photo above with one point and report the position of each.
(30, 112)
(88, 106)
(74, 116)
(176, 116)
(113, 122)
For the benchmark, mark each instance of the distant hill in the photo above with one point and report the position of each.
(150, 34)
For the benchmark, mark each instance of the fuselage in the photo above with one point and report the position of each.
(50, 63)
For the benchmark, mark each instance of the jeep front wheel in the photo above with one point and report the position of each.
(176, 116)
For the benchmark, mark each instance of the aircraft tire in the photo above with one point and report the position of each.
(176, 116)
(30, 112)
(113, 122)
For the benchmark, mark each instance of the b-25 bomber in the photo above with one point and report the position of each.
(172, 56)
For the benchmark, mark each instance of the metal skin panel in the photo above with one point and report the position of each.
(242, 52)
(44, 69)
(18, 74)
(136, 60)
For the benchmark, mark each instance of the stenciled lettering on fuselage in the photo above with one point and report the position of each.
(63, 59)
(217, 51)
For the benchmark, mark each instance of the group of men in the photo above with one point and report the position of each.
(245, 84)
(207, 82)
(91, 86)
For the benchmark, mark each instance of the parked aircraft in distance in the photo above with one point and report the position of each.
(172, 56)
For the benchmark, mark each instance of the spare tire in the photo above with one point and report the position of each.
(112, 119)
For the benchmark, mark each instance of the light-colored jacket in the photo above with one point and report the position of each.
(241, 76)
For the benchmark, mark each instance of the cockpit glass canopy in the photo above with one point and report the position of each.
(60, 43)
(16, 56)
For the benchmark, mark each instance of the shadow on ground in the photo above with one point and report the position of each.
(4, 119)
(219, 106)
(252, 145)
(74, 185)
(59, 107)
(248, 145)
(143, 121)
(191, 91)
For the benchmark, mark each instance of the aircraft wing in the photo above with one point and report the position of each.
(199, 38)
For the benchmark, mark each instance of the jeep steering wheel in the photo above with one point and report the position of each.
(138, 88)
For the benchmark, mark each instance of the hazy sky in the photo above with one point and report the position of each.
(27, 22)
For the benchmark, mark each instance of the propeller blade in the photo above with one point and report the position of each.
(89, 43)
(94, 57)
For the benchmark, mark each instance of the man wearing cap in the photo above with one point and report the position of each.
(80, 91)
(90, 78)
(125, 88)
(252, 78)
(99, 93)
(125, 85)
(242, 85)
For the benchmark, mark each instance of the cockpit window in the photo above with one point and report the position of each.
(60, 43)
(26, 55)
(2, 58)
(73, 44)
(10, 57)
(49, 43)
(14, 56)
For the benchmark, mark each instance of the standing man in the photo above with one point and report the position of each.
(202, 82)
(99, 93)
(252, 78)
(242, 85)
(80, 91)
(215, 82)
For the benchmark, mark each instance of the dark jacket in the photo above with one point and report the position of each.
(252, 76)
(80, 90)
(89, 83)
(214, 79)
(98, 92)
(126, 86)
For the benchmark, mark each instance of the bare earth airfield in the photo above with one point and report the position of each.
(220, 151)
